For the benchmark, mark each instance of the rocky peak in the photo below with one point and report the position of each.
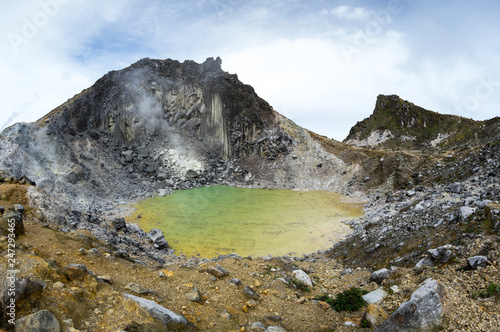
(397, 124)
(151, 97)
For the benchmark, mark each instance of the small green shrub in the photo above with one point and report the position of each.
(349, 300)
(492, 290)
(300, 285)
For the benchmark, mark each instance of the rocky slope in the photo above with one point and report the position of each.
(73, 281)
(431, 182)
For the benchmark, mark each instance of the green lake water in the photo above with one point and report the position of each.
(220, 220)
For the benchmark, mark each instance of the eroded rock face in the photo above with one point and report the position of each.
(152, 97)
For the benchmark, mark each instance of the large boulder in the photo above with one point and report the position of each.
(147, 308)
(423, 312)
(40, 321)
(301, 276)
(12, 292)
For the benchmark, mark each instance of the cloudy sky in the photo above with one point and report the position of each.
(321, 63)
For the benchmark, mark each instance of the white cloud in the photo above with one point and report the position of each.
(351, 13)
(292, 52)
(310, 81)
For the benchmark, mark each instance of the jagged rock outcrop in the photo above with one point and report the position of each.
(150, 97)
(397, 124)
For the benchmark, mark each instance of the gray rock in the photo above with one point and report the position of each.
(138, 289)
(136, 229)
(127, 153)
(40, 321)
(161, 176)
(275, 329)
(223, 270)
(379, 276)
(58, 285)
(235, 281)
(119, 223)
(346, 271)
(435, 256)
(440, 255)
(456, 188)
(164, 192)
(303, 277)
(284, 281)
(426, 261)
(194, 295)
(423, 312)
(15, 290)
(104, 278)
(215, 272)
(191, 124)
(191, 174)
(9, 219)
(257, 326)
(250, 293)
(466, 212)
(143, 153)
(168, 318)
(376, 296)
(18, 208)
(410, 193)
(75, 271)
(24, 179)
(156, 236)
(477, 261)
(218, 271)
(389, 198)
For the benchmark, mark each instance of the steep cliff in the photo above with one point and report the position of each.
(151, 96)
